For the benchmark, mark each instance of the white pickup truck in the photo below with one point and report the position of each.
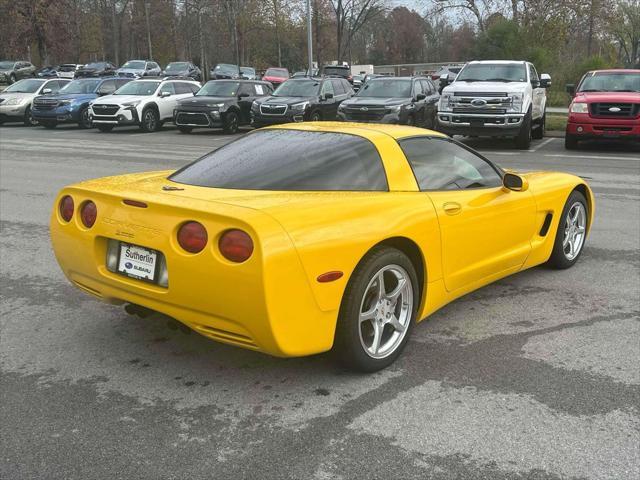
(495, 98)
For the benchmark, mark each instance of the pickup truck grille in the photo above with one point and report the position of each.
(480, 94)
(104, 109)
(615, 110)
(480, 111)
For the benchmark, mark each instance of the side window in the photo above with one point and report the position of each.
(260, 89)
(426, 87)
(107, 87)
(181, 88)
(440, 164)
(246, 88)
(347, 87)
(53, 85)
(167, 87)
(532, 73)
(327, 87)
(417, 88)
(338, 87)
(120, 83)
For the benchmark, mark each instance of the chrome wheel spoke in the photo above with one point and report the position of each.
(377, 337)
(395, 323)
(393, 296)
(381, 288)
(369, 315)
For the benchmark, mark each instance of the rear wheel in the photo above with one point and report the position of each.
(185, 129)
(572, 232)
(539, 132)
(523, 140)
(29, 121)
(105, 128)
(85, 121)
(231, 122)
(150, 121)
(570, 142)
(315, 116)
(378, 311)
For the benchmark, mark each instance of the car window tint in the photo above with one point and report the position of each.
(290, 160)
(327, 87)
(246, 88)
(338, 88)
(439, 164)
(181, 88)
(120, 83)
(532, 73)
(107, 87)
(53, 85)
(168, 87)
(417, 88)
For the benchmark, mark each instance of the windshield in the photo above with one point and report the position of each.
(336, 71)
(96, 66)
(386, 88)
(219, 89)
(493, 72)
(276, 72)
(248, 70)
(179, 66)
(80, 86)
(226, 68)
(611, 82)
(134, 65)
(298, 88)
(6, 65)
(67, 68)
(290, 160)
(138, 88)
(25, 86)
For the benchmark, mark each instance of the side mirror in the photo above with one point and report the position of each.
(444, 79)
(243, 95)
(535, 83)
(165, 94)
(420, 96)
(46, 90)
(545, 80)
(571, 89)
(328, 96)
(514, 182)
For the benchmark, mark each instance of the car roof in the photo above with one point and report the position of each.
(615, 70)
(366, 130)
(495, 61)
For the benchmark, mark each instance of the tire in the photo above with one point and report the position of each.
(105, 128)
(12, 79)
(523, 140)
(84, 122)
(150, 121)
(538, 133)
(570, 232)
(570, 142)
(355, 340)
(231, 122)
(185, 129)
(315, 116)
(29, 121)
(50, 124)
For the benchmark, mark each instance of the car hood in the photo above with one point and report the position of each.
(376, 101)
(204, 100)
(477, 87)
(9, 95)
(74, 96)
(117, 99)
(288, 100)
(613, 97)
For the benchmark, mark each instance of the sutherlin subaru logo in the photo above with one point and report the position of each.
(128, 265)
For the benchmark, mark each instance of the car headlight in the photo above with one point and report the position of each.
(132, 104)
(516, 102)
(579, 107)
(445, 102)
(255, 105)
(342, 107)
(300, 107)
(215, 105)
(395, 108)
(14, 101)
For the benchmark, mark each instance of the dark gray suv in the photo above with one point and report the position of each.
(11, 72)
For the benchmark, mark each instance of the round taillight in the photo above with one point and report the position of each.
(66, 208)
(192, 236)
(88, 213)
(235, 245)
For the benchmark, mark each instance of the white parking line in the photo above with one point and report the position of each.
(540, 145)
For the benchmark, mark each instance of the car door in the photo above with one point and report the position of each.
(538, 92)
(419, 103)
(430, 105)
(485, 229)
(246, 96)
(327, 105)
(166, 103)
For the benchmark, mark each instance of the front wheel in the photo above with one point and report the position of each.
(523, 140)
(231, 122)
(315, 116)
(378, 311)
(150, 121)
(572, 232)
(29, 121)
(85, 121)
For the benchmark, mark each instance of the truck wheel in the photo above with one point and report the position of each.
(378, 311)
(523, 140)
(231, 123)
(570, 142)
(538, 133)
(105, 128)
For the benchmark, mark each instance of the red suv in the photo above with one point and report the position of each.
(276, 75)
(605, 105)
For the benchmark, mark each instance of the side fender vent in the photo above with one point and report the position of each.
(546, 224)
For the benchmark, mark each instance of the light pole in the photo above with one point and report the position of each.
(309, 40)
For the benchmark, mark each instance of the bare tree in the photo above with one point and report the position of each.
(351, 15)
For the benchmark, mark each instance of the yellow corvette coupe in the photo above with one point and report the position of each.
(299, 239)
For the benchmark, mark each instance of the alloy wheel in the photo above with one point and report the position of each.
(574, 230)
(385, 311)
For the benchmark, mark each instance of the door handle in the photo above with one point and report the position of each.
(452, 208)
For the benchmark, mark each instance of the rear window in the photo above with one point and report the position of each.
(290, 160)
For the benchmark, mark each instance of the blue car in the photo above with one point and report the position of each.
(71, 103)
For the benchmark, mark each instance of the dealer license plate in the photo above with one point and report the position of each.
(137, 262)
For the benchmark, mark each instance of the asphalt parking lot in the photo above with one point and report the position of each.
(534, 377)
